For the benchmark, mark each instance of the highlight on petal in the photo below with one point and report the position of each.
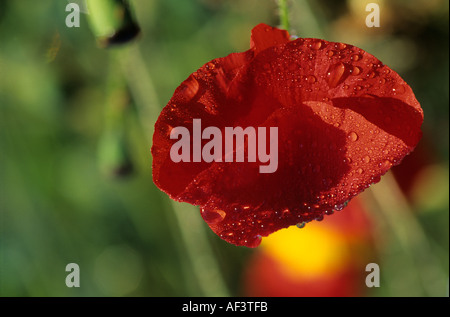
(343, 120)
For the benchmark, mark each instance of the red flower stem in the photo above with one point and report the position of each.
(418, 258)
(190, 224)
(283, 11)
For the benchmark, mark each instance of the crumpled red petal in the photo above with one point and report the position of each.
(343, 120)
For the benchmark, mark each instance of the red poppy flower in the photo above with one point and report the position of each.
(343, 120)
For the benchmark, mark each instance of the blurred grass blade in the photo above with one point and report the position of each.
(113, 150)
(424, 272)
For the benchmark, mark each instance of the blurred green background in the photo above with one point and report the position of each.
(75, 137)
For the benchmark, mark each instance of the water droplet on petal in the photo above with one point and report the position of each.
(353, 136)
(339, 207)
(301, 224)
(213, 216)
(398, 89)
(355, 57)
(360, 170)
(254, 241)
(340, 46)
(386, 164)
(190, 88)
(371, 74)
(311, 79)
(366, 159)
(228, 234)
(316, 45)
(334, 74)
(356, 70)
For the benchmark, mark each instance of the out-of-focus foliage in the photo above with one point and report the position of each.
(70, 110)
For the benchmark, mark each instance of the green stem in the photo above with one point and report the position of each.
(283, 11)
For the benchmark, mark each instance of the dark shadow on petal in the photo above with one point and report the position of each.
(389, 114)
(311, 163)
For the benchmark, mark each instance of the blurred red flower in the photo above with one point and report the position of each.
(321, 260)
(343, 120)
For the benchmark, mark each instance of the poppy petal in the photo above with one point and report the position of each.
(343, 120)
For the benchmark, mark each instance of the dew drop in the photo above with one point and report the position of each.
(213, 216)
(386, 164)
(356, 70)
(353, 136)
(311, 79)
(330, 53)
(366, 159)
(316, 45)
(190, 88)
(339, 207)
(371, 74)
(227, 234)
(398, 89)
(340, 46)
(301, 224)
(319, 218)
(355, 57)
(360, 170)
(334, 74)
